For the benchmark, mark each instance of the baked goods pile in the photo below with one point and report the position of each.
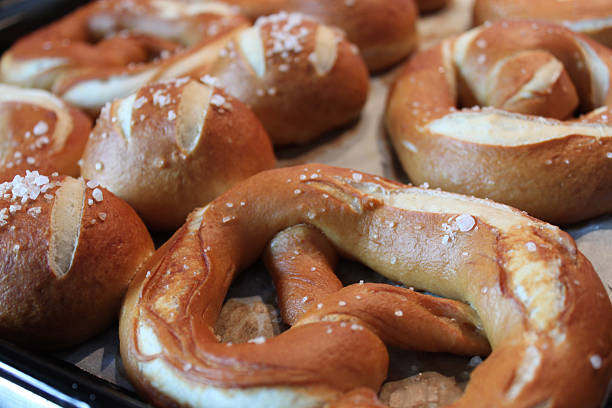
(190, 98)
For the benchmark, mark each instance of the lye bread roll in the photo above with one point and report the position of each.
(38, 131)
(173, 146)
(68, 249)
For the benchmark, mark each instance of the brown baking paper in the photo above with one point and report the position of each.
(363, 146)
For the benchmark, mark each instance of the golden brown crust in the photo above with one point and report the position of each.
(300, 78)
(39, 132)
(539, 300)
(174, 146)
(590, 17)
(64, 270)
(554, 170)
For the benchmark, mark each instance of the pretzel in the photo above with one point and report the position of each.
(174, 146)
(590, 17)
(537, 298)
(557, 170)
(115, 36)
(69, 249)
(39, 132)
(384, 31)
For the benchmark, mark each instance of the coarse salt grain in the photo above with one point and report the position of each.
(34, 211)
(465, 222)
(399, 313)
(531, 246)
(97, 195)
(596, 361)
(258, 340)
(217, 100)
(41, 128)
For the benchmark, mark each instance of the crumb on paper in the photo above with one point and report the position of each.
(243, 319)
(425, 390)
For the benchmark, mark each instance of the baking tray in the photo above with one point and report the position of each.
(91, 375)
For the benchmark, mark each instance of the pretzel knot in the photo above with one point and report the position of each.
(525, 148)
(537, 299)
(114, 37)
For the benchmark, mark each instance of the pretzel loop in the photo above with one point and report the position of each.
(540, 303)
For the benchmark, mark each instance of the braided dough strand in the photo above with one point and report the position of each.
(540, 302)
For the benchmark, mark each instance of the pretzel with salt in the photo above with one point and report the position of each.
(539, 301)
(524, 148)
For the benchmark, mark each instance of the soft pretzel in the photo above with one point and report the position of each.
(557, 170)
(133, 38)
(39, 132)
(384, 31)
(174, 146)
(539, 301)
(591, 17)
(69, 249)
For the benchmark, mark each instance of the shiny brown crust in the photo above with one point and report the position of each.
(539, 301)
(384, 31)
(114, 38)
(39, 132)
(591, 17)
(301, 78)
(69, 249)
(175, 146)
(557, 170)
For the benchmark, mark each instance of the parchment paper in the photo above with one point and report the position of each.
(365, 147)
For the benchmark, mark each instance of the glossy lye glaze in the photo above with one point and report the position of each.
(69, 248)
(524, 148)
(172, 147)
(538, 300)
(592, 17)
(39, 131)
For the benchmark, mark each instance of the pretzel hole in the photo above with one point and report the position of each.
(255, 285)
